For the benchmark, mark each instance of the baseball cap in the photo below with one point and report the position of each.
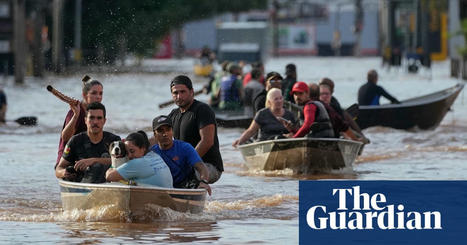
(299, 87)
(159, 121)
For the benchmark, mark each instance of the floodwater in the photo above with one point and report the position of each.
(247, 206)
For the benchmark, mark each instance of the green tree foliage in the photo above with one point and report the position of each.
(143, 22)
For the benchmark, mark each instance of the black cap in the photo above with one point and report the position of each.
(159, 121)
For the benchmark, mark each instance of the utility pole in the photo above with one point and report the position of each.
(57, 41)
(38, 17)
(19, 40)
(358, 26)
(275, 28)
(77, 38)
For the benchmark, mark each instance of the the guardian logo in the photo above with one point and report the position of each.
(368, 213)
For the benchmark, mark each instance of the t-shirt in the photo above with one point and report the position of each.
(186, 128)
(259, 102)
(80, 147)
(149, 169)
(252, 89)
(79, 127)
(181, 158)
(270, 126)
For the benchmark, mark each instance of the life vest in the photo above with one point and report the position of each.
(321, 127)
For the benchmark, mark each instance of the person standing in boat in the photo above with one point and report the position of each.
(316, 118)
(288, 82)
(195, 122)
(144, 166)
(369, 93)
(86, 156)
(3, 106)
(270, 121)
(74, 121)
(186, 167)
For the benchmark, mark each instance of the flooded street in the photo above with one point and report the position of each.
(247, 206)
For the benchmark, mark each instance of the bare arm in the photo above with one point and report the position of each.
(254, 127)
(60, 171)
(85, 163)
(207, 139)
(113, 175)
(203, 175)
(69, 129)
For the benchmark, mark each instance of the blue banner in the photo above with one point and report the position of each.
(383, 212)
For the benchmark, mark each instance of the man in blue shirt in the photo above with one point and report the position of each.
(186, 166)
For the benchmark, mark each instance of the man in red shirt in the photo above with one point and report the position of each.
(316, 118)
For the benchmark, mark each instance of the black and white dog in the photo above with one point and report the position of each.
(118, 153)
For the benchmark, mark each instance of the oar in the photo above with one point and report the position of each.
(169, 102)
(26, 121)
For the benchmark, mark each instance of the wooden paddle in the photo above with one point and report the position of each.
(26, 121)
(64, 98)
(170, 102)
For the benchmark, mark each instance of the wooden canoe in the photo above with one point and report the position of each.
(424, 112)
(302, 155)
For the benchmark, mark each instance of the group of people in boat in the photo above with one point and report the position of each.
(321, 114)
(184, 152)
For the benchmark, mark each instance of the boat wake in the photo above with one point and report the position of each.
(267, 173)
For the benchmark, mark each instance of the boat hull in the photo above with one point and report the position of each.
(302, 155)
(425, 112)
(131, 199)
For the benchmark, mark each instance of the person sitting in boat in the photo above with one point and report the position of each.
(215, 84)
(339, 125)
(231, 89)
(326, 89)
(253, 88)
(316, 118)
(248, 77)
(207, 56)
(74, 121)
(185, 164)
(3, 106)
(86, 156)
(144, 166)
(272, 122)
(273, 80)
(369, 93)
